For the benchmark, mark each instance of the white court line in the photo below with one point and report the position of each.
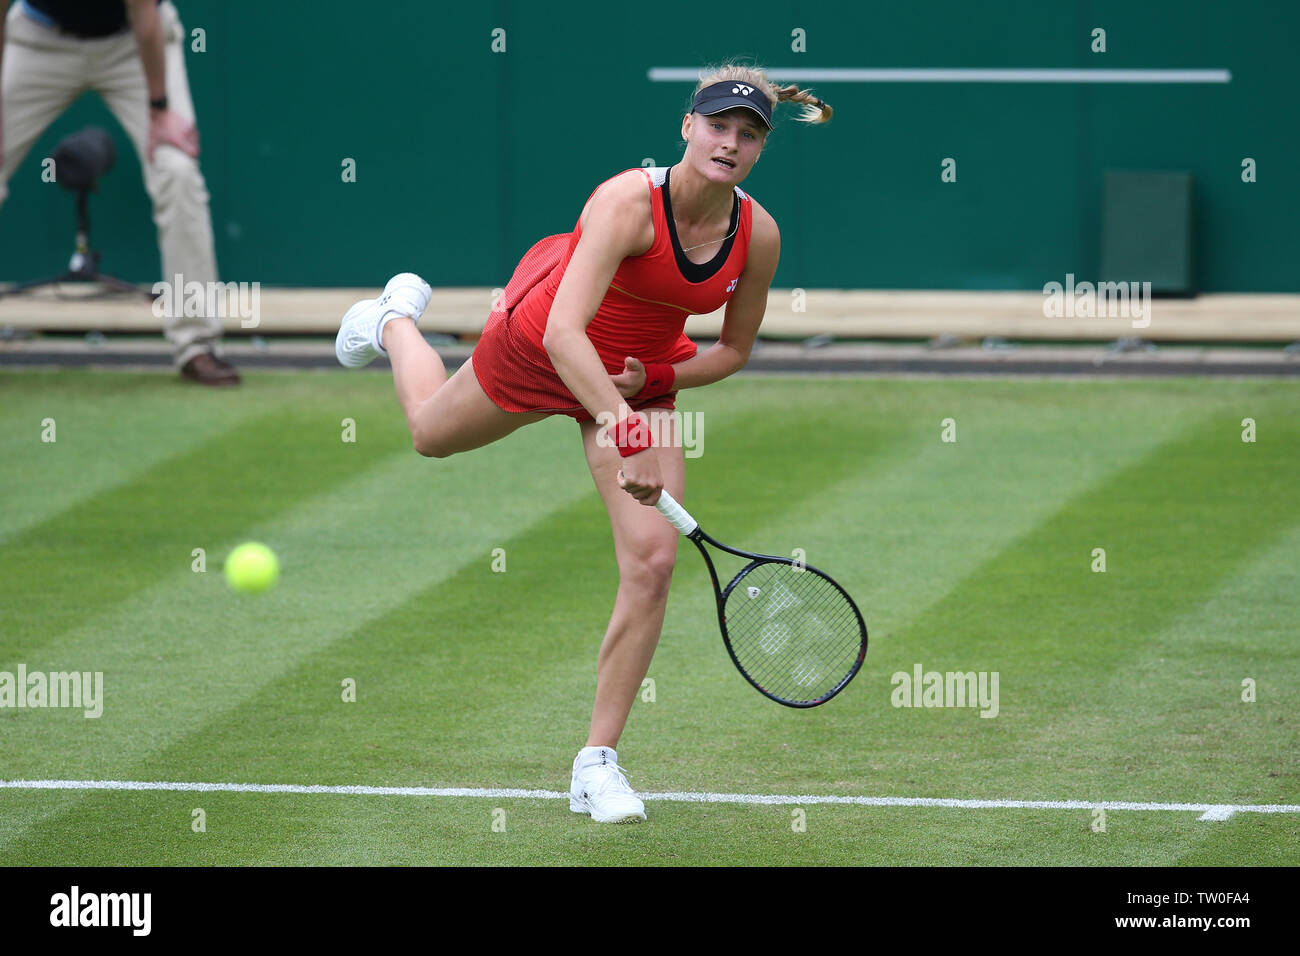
(670, 74)
(1208, 811)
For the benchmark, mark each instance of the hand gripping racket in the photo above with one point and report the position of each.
(792, 631)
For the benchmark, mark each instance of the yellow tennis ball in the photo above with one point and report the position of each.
(252, 568)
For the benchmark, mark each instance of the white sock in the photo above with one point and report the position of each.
(379, 329)
(594, 756)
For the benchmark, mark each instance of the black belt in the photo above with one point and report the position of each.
(41, 18)
(82, 35)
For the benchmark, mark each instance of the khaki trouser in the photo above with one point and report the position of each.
(45, 71)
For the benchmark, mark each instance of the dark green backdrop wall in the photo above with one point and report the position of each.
(465, 156)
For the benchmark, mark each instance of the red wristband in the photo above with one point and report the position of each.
(631, 435)
(659, 380)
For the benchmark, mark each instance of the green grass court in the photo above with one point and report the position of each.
(968, 556)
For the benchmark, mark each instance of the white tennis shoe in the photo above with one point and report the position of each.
(600, 788)
(360, 339)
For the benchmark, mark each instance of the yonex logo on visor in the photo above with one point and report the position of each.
(729, 95)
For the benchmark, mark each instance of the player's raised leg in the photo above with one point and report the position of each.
(444, 415)
(360, 338)
(646, 549)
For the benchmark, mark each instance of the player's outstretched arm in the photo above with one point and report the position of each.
(617, 225)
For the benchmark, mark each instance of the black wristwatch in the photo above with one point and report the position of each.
(159, 104)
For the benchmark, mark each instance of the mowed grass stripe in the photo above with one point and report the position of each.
(452, 665)
(481, 673)
(1203, 726)
(815, 746)
(187, 651)
(905, 531)
(451, 712)
(1054, 630)
(1022, 470)
(476, 656)
(107, 429)
(1181, 686)
(1185, 723)
(104, 550)
(110, 425)
(1183, 695)
(899, 538)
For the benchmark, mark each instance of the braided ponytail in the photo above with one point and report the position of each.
(814, 110)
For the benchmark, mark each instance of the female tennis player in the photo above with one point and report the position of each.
(590, 326)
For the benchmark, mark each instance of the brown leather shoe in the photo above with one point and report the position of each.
(206, 369)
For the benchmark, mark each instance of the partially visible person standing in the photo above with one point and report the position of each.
(132, 53)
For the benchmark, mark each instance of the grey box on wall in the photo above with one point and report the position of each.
(1146, 232)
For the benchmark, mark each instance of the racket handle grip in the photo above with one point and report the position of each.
(677, 516)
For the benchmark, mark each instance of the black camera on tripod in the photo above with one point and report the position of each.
(80, 160)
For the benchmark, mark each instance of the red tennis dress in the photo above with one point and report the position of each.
(642, 315)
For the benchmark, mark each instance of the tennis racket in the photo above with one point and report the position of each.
(791, 631)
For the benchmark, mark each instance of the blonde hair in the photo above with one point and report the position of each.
(814, 110)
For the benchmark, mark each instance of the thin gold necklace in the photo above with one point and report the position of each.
(711, 241)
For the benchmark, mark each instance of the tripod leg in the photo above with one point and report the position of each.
(119, 285)
(41, 283)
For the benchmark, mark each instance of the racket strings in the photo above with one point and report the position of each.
(792, 631)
